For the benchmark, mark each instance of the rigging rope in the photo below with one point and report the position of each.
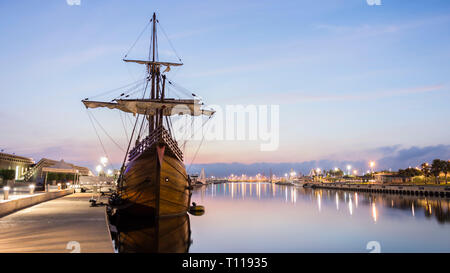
(106, 133)
(196, 152)
(99, 139)
(170, 43)
(123, 124)
(115, 89)
(139, 37)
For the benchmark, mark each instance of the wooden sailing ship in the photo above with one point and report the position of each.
(153, 179)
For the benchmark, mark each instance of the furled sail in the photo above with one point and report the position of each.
(170, 107)
(152, 62)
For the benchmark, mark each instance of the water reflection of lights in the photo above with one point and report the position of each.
(350, 205)
(356, 199)
(319, 201)
(337, 201)
(412, 209)
(293, 195)
(285, 191)
(232, 190)
(258, 190)
(374, 212)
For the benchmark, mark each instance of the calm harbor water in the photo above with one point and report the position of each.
(264, 217)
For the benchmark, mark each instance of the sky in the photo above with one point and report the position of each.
(354, 82)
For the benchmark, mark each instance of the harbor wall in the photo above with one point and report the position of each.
(21, 203)
(423, 190)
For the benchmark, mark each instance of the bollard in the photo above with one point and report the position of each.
(59, 186)
(6, 192)
(31, 187)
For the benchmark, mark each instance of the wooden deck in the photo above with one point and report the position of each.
(61, 225)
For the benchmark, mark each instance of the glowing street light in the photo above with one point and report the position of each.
(103, 160)
(31, 187)
(99, 168)
(355, 172)
(349, 167)
(371, 164)
(109, 172)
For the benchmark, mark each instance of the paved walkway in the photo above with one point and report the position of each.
(60, 225)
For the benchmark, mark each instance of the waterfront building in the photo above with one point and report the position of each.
(39, 171)
(387, 177)
(19, 164)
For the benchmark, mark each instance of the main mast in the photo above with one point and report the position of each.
(154, 74)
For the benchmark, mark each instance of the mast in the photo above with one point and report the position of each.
(151, 120)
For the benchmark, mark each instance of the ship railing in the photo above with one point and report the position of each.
(155, 136)
(172, 144)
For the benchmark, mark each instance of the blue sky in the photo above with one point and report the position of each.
(349, 77)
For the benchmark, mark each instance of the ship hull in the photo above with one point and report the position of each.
(156, 185)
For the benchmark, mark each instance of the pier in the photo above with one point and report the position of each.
(422, 190)
(63, 225)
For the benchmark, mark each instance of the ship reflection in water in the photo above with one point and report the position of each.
(166, 235)
(264, 217)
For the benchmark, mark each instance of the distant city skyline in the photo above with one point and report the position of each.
(353, 82)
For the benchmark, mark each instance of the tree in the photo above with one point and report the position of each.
(7, 174)
(425, 170)
(436, 169)
(409, 172)
(445, 168)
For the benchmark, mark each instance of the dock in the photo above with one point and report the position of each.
(63, 225)
(423, 190)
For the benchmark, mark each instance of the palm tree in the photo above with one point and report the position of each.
(426, 170)
(436, 169)
(445, 168)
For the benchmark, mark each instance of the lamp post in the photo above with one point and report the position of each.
(6, 192)
(31, 187)
(349, 167)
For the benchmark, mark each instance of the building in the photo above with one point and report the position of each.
(385, 177)
(38, 172)
(20, 164)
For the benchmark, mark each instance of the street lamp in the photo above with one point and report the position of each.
(99, 168)
(349, 167)
(371, 164)
(103, 160)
